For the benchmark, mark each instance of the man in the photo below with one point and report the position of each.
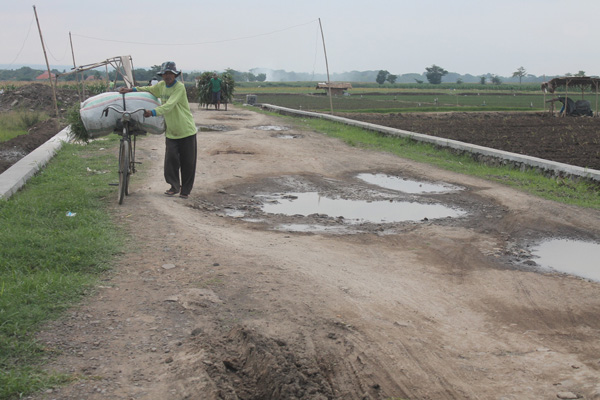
(181, 145)
(215, 84)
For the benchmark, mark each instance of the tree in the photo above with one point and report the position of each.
(580, 73)
(381, 77)
(482, 79)
(496, 80)
(435, 74)
(521, 72)
(391, 78)
(261, 77)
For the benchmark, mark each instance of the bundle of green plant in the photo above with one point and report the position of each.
(204, 89)
(78, 130)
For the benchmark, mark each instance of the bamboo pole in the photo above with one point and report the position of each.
(76, 73)
(327, 67)
(47, 64)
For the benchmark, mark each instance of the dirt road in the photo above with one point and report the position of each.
(220, 300)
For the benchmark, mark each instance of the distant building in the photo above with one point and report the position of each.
(335, 88)
(45, 76)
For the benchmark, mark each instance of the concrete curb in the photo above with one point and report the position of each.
(17, 175)
(517, 159)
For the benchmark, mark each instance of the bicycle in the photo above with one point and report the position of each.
(128, 128)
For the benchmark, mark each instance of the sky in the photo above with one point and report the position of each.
(545, 37)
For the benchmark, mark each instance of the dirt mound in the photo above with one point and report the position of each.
(38, 97)
(16, 148)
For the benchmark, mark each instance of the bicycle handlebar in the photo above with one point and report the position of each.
(122, 112)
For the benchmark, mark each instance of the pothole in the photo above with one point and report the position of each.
(353, 211)
(213, 128)
(406, 185)
(287, 136)
(271, 128)
(316, 204)
(574, 257)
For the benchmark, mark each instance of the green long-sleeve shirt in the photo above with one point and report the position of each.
(174, 108)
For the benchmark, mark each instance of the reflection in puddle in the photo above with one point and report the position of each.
(405, 185)
(286, 136)
(570, 256)
(211, 128)
(357, 211)
(312, 228)
(271, 128)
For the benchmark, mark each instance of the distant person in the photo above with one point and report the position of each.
(215, 86)
(181, 145)
(153, 82)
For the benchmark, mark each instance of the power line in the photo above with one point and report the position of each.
(196, 43)
(24, 41)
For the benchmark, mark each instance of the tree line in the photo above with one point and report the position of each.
(434, 75)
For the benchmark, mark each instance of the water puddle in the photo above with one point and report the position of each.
(286, 136)
(356, 211)
(570, 256)
(212, 128)
(406, 185)
(271, 128)
(306, 228)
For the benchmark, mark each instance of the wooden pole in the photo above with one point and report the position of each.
(47, 64)
(75, 66)
(327, 67)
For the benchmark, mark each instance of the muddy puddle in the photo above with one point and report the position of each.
(340, 206)
(354, 211)
(213, 128)
(574, 257)
(276, 128)
(287, 136)
(406, 185)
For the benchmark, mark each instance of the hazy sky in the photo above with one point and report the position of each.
(546, 37)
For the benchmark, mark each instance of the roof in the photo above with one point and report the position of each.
(332, 85)
(582, 82)
(45, 76)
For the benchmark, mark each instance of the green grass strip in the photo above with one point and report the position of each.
(50, 260)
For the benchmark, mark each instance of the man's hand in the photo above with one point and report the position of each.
(147, 113)
(124, 90)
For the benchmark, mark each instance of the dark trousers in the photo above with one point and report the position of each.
(180, 156)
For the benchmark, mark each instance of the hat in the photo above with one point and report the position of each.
(169, 66)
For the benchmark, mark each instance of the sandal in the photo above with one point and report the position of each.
(171, 192)
(183, 196)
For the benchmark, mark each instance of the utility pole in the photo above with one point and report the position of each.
(327, 67)
(76, 73)
(52, 84)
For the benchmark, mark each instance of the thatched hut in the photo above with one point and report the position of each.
(575, 83)
(335, 88)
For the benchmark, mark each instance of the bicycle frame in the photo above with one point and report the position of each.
(126, 152)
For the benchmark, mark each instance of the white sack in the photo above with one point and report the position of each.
(99, 125)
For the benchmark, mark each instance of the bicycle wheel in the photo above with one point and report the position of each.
(124, 152)
(129, 167)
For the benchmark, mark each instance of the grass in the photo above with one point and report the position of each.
(16, 123)
(575, 192)
(49, 260)
(407, 102)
